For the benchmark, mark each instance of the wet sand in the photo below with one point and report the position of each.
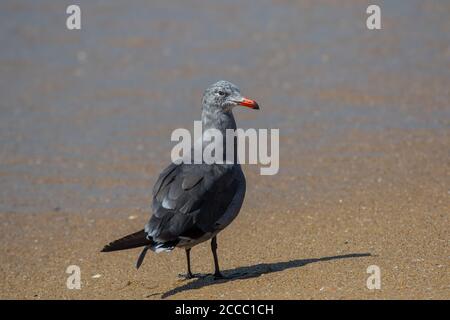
(364, 119)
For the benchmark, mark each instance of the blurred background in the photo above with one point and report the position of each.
(86, 115)
(364, 116)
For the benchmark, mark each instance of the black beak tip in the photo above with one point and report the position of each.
(256, 107)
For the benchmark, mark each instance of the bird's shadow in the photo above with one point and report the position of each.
(254, 271)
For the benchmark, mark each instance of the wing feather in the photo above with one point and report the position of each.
(189, 199)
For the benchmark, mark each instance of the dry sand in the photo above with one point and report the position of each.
(365, 137)
(307, 249)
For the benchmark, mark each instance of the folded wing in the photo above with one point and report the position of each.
(188, 200)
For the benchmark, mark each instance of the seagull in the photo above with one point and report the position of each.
(193, 202)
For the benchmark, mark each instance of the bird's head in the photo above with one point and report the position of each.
(224, 95)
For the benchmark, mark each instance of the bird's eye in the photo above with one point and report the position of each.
(221, 93)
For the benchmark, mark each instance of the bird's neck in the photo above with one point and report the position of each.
(220, 120)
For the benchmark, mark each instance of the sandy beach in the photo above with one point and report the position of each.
(364, 118)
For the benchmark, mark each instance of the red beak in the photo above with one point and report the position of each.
(249, 103)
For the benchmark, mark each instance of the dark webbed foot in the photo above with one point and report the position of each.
(187, 276)
(219, 276)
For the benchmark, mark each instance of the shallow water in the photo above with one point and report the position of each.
(86, 116)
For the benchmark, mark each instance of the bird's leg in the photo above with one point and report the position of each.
(188, 274)
(188, 259)
(217, 273)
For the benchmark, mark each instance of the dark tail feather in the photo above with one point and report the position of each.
(133, 240)
(141, 257)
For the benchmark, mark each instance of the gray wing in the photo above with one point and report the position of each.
(189, 199)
